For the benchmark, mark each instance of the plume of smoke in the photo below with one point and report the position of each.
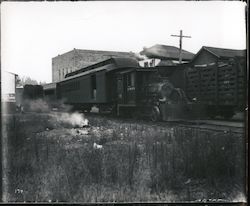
(37, 105)
(74, 119)
(59, 104)
(139, 57)
(40, 105)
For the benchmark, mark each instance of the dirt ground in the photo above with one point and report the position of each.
(61, 157)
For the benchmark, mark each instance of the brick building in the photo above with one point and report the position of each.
(78, 58)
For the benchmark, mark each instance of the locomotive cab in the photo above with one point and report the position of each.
(144, 92)
(126, 88)
(131, 91)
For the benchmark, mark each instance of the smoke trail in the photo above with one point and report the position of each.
(75, 119)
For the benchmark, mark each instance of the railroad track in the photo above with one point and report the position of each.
(214, 125)
(238, 127)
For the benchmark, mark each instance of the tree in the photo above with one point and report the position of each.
(26, 80)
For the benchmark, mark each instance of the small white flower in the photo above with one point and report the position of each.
(97, 146)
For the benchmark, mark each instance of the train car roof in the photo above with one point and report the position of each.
(107, 65)
(139, 69)
(49, 86)
(114, 60)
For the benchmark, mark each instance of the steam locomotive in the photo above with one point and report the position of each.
(122, 87)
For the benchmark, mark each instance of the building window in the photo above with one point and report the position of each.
(93, 86)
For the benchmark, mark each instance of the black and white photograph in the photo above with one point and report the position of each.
(124, 102)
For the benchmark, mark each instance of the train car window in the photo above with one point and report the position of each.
(71, 86)
(93, 86)
(131, 80)
(128, 80)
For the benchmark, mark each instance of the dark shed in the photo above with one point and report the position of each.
(208, 55)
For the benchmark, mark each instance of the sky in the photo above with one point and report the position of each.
(32, 33)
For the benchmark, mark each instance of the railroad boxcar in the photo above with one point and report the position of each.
(94, 85)
(31, 93)
(220, 86)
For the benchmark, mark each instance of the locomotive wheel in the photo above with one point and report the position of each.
(114, 110)
(155, 114)
(135, 114)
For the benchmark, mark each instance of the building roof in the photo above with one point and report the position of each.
(221, 52)
(166, 63)
(109, 54)
(49, 86)
(166, 52)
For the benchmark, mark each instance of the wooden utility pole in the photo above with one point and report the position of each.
(181, 36)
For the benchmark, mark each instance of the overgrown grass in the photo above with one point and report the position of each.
(136, 163)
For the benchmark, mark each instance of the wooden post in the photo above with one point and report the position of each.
(180, 44)
(199, 84)
(216, 84)
(236, 66)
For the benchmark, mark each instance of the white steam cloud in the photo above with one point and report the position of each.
(74, 119)
(38, 105)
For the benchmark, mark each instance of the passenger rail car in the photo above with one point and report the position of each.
(95, 86)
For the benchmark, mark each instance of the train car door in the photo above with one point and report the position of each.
(130, 87)
(126, 88)
(120, 89)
